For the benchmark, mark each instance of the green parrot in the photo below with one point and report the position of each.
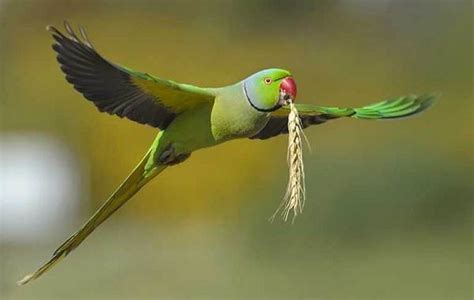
(189, 117)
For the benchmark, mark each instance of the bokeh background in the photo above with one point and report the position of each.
(389, 208)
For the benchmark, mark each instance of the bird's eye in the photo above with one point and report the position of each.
(268, 80)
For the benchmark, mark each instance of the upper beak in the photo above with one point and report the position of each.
(287, 90)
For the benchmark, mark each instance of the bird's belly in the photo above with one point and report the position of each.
(190, 131)
(208, 126)
(227, 128)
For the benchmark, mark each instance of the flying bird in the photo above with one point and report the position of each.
(190, 117)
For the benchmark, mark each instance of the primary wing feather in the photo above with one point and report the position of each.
(121, 91)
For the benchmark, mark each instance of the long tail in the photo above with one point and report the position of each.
(134, 182)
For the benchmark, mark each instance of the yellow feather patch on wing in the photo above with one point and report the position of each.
(176, 97)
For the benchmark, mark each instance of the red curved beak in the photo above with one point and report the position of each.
(288, 86)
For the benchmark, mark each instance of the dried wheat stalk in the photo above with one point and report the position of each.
(295, 192)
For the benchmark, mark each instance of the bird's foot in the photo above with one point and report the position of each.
(169, 156)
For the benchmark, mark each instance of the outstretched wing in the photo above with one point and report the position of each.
(121, 91)
(312, 114)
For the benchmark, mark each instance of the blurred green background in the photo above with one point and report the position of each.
(389, 208)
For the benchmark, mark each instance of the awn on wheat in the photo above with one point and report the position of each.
(294, 198)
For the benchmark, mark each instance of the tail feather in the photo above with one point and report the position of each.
(134, 182)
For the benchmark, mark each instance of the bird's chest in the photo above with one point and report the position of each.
(232, 117)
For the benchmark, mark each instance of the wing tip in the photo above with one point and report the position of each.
(54, 30)
(426, 101)
(71, 34)
(399, 107)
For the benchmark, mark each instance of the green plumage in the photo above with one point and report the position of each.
(395, 108)
(189, 117)
(399, 107)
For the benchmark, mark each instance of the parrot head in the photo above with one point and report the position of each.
(269, 89)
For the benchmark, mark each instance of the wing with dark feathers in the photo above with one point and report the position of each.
(118, 90)
(312, 114)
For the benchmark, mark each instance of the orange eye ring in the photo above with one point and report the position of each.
(268, 80)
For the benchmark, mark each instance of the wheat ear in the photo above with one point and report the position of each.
(293, 201)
